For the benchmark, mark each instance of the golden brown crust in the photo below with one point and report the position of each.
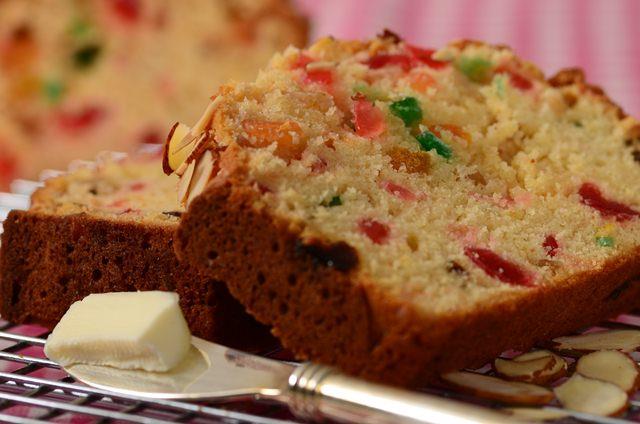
(47, 262)
(575, 76)
(322, 314)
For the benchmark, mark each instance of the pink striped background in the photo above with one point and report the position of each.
(600, 36)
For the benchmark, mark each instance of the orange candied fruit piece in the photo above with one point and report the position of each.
(453, 129)
(420, 82)
(287, 135)
(413, 162)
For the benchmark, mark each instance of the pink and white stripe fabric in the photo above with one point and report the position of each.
(600, 36)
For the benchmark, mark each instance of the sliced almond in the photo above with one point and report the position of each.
(623, 340)
(591, 396)
(612, 366)
(202, 173)
(536, 414)
(177, 148)
(497, 389)
(539, 367)
(185, 181)
(534, 354)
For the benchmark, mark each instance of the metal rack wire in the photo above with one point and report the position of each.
(35, 390)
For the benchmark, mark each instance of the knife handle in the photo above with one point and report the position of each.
(318, 392)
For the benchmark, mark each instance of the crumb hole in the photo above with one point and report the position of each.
(478, 178)
(292, 280)
(508, 150)
(271, 295)
(261, 279)
(212, 255)
(96, 275)
(63, 281)
(324, 293)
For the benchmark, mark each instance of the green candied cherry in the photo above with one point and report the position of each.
(79, 28)
(476, 69)
(605, 241)
(334, 201)
(499, 83)
(86, 55)
(429, 141)
(53, 90)
(407, 109)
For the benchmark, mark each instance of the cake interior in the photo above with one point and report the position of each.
(459, 176)
(126, 188)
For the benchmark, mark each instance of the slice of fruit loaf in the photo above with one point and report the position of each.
(103, 229)
(86, 76)
(400, 212)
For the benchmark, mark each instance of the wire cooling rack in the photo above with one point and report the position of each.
(35, 390)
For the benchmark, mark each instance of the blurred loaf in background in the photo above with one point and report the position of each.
(78, 77)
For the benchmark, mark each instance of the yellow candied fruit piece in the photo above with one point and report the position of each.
(606, 230)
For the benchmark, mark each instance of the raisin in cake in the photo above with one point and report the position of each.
(77, 77)
(109, 228)
(398, 211)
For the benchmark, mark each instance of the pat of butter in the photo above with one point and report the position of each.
(128, 330)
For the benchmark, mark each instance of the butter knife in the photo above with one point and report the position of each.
(312, 391)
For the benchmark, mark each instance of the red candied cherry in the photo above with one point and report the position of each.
(82, 119)
(378, 232)
(550, 246)
(301, 61)
(592, 196)
(425, 56)
(8, 167)
(516, 79)
(151, 136)
(127, 10)
(497, 267)
(118, 203)
(137, 186)
(322, 77)
(383, 60)
(319, 166)
(367, 118)
(398, 190)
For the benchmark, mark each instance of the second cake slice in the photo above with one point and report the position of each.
(106, 228)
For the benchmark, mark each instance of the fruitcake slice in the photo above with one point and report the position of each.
(109, 227)
(400, 211)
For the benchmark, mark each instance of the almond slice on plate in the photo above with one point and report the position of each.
(624, 340)
(494, 388)
(539, 367)
(612, 366)
(536, 414)
(591, 396)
